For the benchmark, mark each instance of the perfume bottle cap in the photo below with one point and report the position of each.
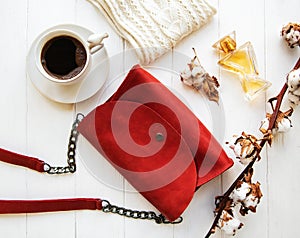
(227, 43)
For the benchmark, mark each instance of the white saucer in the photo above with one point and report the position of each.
(71, 93)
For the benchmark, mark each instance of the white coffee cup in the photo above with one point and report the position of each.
(55, 44)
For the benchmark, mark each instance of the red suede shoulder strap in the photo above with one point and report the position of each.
(36, 206)
(22, 160)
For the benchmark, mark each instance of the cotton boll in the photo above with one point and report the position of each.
(284, 125)
(196, 77)
(198, 71)
(244, 148)
(240, 192)
(291, 34)
(236, 147)
(229, 224)
(252, 199)
(186, 75)
(293, 80)
(251, 202)
(193, 76)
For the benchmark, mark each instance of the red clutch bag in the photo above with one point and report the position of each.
(155, 142)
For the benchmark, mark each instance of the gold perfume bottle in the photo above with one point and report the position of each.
(242, 61)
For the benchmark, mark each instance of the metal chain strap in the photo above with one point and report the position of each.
(71, 167)
(144, 215)
(106, 206)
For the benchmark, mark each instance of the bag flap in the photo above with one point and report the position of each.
(147, 151)
(142, 87)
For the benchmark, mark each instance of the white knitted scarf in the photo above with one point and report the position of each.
(153, 27)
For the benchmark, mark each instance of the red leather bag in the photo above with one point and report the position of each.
(155, 142)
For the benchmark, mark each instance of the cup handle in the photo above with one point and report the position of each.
(95, 42)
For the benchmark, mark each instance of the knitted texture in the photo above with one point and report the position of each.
(153, 27)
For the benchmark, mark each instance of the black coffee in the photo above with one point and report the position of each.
(63, 57)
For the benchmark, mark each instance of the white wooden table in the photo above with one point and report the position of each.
(34, 125)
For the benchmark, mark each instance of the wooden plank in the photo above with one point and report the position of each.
(247, 19)
(103, 182)
(283, 156)
(13, 103)
(48, 126)
(199, 215)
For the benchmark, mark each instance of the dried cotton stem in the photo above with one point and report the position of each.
(267, 138)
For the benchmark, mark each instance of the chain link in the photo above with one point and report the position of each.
(71, 167)
(144, 215)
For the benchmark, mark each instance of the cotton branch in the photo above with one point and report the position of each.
(267, 138)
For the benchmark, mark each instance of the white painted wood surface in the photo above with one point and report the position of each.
(34, 125)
